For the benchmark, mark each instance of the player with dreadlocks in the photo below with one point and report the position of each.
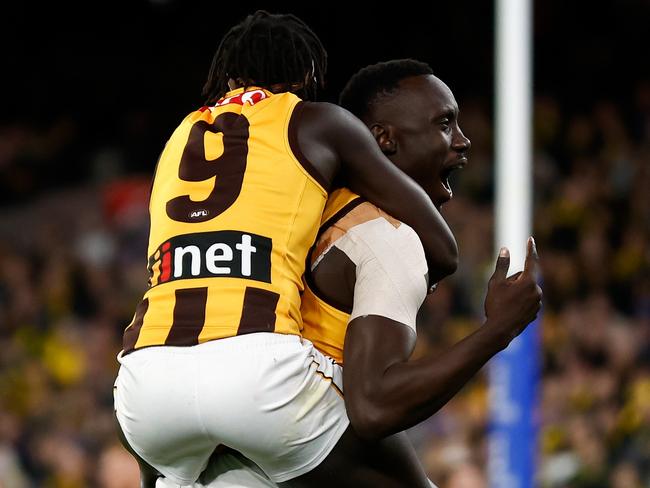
(271, 51)
(214, 354)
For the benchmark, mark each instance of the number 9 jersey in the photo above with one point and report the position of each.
(234, 209)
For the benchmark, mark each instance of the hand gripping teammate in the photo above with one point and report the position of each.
(214, 355)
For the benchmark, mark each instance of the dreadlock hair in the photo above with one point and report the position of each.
(266, 50)
(373, 82)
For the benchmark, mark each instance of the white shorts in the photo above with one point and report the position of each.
(272, 397)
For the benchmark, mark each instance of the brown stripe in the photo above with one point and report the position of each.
(347, 208)
(328, 378)
(189, 317)
(294, 122)
(258, 313)
(132, 333)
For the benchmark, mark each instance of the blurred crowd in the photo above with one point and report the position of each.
(72, 269)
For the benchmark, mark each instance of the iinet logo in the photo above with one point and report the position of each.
(212, 254)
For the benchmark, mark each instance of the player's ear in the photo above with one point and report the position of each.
(384, 136)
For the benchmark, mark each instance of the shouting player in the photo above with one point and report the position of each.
(367, 282)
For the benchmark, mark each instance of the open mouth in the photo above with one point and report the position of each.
(448, 170)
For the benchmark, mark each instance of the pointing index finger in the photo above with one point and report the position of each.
(530, 265)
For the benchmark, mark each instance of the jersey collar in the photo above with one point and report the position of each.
(250, 95)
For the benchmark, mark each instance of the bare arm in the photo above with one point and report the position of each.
(335, 140)
(387, 393)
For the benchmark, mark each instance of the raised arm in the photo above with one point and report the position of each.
(386, 393)
(335, 140)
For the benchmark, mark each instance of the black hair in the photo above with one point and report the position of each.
(372, 82)
(265, 50)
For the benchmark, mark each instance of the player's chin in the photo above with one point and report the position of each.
(438, 192)
(444, 195)
(439, 205)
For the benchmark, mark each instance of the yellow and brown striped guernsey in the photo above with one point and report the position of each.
(325, 324)
(234, 210)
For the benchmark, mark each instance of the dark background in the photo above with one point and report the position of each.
(130, 72)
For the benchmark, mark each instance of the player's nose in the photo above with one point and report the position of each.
(460, 142)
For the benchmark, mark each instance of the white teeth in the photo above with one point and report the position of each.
(448, 188)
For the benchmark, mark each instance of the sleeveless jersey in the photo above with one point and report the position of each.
(234, 209)
(325, 324)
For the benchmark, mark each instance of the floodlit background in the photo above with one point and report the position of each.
(89, 98)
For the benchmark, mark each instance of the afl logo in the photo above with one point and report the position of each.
(196, 214)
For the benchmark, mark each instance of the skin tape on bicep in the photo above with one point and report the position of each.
(390, 270)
